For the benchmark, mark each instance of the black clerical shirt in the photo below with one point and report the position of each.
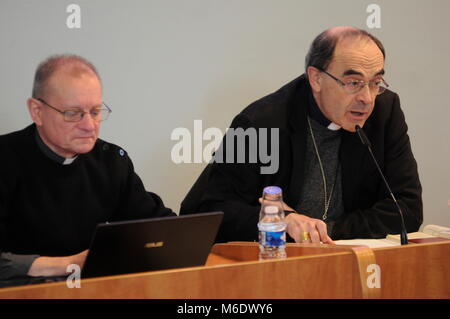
(50, 206)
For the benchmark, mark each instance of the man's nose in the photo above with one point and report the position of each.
(366, 96)
(87, 122)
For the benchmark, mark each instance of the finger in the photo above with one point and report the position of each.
(287, 207)
(296, 233)
(314, 235)
(298, 226)
(328, 240)
(303, 237)
(295, 229)
(322, 229)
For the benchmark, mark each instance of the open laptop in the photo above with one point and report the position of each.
(151, 244)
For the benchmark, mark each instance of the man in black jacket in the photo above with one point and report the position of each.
(58, 180)
(331, 187)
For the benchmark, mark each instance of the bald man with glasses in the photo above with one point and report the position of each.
(59, 180)
(330, 184)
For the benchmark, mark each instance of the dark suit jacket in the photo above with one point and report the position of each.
(369, 211)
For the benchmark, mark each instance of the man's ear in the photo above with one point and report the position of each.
(35, 109)
(315, 78)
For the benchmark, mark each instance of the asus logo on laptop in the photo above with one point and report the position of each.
(154, 244)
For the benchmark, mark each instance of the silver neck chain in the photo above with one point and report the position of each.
(326, 200)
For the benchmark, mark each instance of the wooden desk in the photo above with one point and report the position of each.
(311, 271)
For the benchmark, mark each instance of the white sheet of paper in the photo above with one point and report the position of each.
(371, 243)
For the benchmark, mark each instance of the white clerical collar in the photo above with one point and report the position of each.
(52, 155)
(68, 161)
(316, 114)
(333, 127)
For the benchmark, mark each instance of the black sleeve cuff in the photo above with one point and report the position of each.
(12, 265)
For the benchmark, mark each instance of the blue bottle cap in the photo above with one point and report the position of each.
(272, 190)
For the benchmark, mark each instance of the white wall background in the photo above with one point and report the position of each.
(165, 63)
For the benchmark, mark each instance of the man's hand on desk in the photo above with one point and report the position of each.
(55, 266)
(299, 225)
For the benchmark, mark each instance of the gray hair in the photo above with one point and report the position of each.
(322, 48)
(55, 62)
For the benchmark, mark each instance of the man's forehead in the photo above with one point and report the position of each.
(361, 55)
(74, 73)
(74, 89)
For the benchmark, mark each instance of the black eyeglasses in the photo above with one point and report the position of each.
(75, 115)
(376, 87)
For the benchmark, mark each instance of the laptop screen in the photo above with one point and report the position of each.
(151, 244)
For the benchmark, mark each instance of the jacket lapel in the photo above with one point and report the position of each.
(353, 154)
(298, 135)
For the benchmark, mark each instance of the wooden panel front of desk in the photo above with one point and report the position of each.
(232, 271)
(414, 271)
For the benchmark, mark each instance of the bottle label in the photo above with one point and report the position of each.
(273, 239)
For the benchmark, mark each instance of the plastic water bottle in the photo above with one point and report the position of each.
(272, 227)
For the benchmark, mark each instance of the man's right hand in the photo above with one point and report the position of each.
(298, 224)
(55, 266)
